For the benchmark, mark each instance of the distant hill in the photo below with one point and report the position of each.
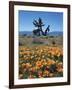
(55, 33)
(25, 33)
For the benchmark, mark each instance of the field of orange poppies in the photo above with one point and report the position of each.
(40, 62)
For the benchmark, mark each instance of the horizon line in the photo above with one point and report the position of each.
(49, 31)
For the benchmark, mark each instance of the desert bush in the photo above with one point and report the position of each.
(37, 41)
(44, 37)
(51, 36)
(20, 44)
(33, 36)
(28, 36)
(24, 34)
(53, 42)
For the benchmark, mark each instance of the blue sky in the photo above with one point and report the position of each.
(54, 19)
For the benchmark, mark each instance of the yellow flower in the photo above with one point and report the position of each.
(60, 69)
(23, 65)
(36, 67)
(45, 63)
(41, 50)
(38, 63)
(43, 56)
(51, 74)
(58, 54)
(50, 62)
(32, 57)
(21, 76)
(46, 73)
(37, 57)
(28, 65)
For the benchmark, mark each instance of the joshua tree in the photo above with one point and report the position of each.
(39, 25)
